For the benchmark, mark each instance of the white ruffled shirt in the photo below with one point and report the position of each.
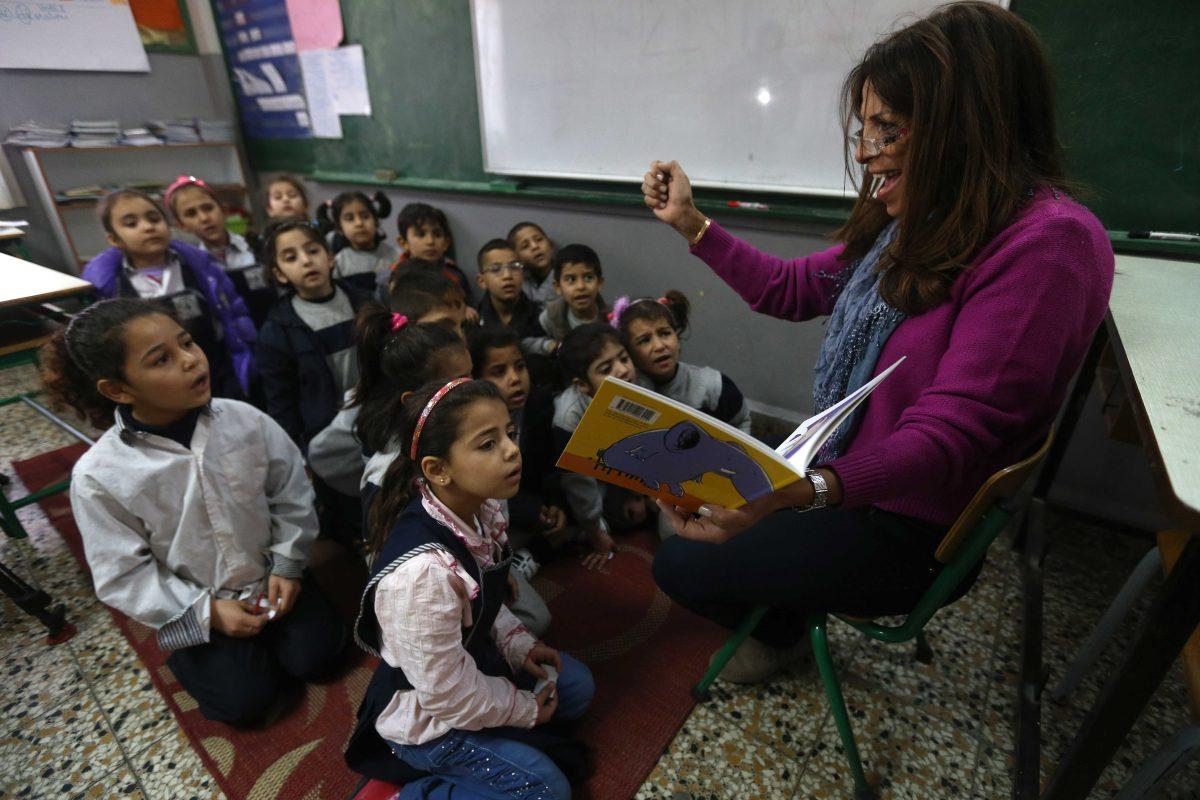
(422, 608)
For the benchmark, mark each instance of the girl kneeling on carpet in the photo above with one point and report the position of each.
(453, 696)
(195, 513)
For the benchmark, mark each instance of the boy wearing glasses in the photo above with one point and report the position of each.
(501, 276)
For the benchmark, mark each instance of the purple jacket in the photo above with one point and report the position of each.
(104, 272)
(987, 370)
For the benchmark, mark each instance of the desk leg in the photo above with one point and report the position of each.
(1168, 625)
(1032, 542)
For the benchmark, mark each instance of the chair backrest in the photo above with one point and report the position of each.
(1002, 484)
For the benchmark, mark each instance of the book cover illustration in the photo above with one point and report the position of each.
(640, 440)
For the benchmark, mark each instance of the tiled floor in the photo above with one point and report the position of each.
(83, 720)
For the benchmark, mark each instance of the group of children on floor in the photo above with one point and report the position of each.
(320, 381)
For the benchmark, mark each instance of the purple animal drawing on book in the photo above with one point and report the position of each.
(666, 458)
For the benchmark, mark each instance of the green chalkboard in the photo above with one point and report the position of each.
(1126, 74)
(1129, 109)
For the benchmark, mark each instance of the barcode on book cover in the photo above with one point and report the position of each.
(632, 409)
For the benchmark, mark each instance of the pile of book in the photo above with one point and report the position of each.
(94, 132)
(215, 130)
(31, 133)
(175, 131)
(138, 137)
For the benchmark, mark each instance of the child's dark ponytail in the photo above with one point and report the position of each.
(672, 308)
(438, 433)
(90, 349)
(394, 356)
(326, 223)
(382, 207)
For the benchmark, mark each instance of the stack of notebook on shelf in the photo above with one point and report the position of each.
(215, 130)
(175, 131)
(138, 137)
(31, 133)
(94, 132)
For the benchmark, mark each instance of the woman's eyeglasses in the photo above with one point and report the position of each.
(874, 146)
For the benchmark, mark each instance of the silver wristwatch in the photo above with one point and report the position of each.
(820, 492)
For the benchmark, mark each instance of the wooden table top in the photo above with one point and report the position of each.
(1155, 316)
(24, 283)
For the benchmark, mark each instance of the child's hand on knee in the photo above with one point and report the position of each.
(553, 520)
(237, 618)
(541, 654)
(282, 594)
(602, 549)
(547, 704)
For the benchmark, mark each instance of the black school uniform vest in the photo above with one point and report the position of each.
(414, 533)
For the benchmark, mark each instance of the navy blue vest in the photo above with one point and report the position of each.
(416, 532)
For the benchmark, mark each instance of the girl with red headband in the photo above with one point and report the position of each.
(462, 690)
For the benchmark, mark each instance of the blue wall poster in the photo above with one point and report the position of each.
(264, 68)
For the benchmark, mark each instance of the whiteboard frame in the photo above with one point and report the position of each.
(849, 192)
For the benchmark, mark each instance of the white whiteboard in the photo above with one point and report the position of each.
(98, 35)
(743, 94)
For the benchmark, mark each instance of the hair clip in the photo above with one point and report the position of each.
(614, 316)
(398, 321)
(664, 301)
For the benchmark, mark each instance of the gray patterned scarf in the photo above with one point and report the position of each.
(858, 328)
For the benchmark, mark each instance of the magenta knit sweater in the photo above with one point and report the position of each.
(987, 369)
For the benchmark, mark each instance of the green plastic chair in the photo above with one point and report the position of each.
(963, 547)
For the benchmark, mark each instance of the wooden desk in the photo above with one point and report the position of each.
(24, 286)
(1152, 326)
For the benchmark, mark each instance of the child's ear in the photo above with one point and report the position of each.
(557, 288)
(479, 280)
(402, 242)
(112, 240)
(280, 278)
(435, 470)
(115, 390)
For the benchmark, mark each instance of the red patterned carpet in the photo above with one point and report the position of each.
(644, 651)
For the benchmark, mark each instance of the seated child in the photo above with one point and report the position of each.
(452, 703)
(651, 330)
(589, 354)
(193, 511)
(198, 210)
(286, 199)
(424, 232)
(144, 262)
(337, 455)
(496, 356)
(535, 518)
(306, 350)
(535, 250)
(578, 279)
(504, 303)
(364, 256)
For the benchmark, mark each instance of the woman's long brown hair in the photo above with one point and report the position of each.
(975, 87)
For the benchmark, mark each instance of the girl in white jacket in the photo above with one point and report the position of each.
(196, 514)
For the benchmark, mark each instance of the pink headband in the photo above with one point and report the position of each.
(398, 321)
(181, 182)
(623, 303)
(433, 401)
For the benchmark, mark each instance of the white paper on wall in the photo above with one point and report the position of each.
(96, 35)
(322, 106)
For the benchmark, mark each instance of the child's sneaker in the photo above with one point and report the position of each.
(522, 562)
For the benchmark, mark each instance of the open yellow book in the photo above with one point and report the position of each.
(638, 439)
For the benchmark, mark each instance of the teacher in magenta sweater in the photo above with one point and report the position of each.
(963, 252)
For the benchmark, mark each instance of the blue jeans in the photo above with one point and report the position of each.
(479, 764)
